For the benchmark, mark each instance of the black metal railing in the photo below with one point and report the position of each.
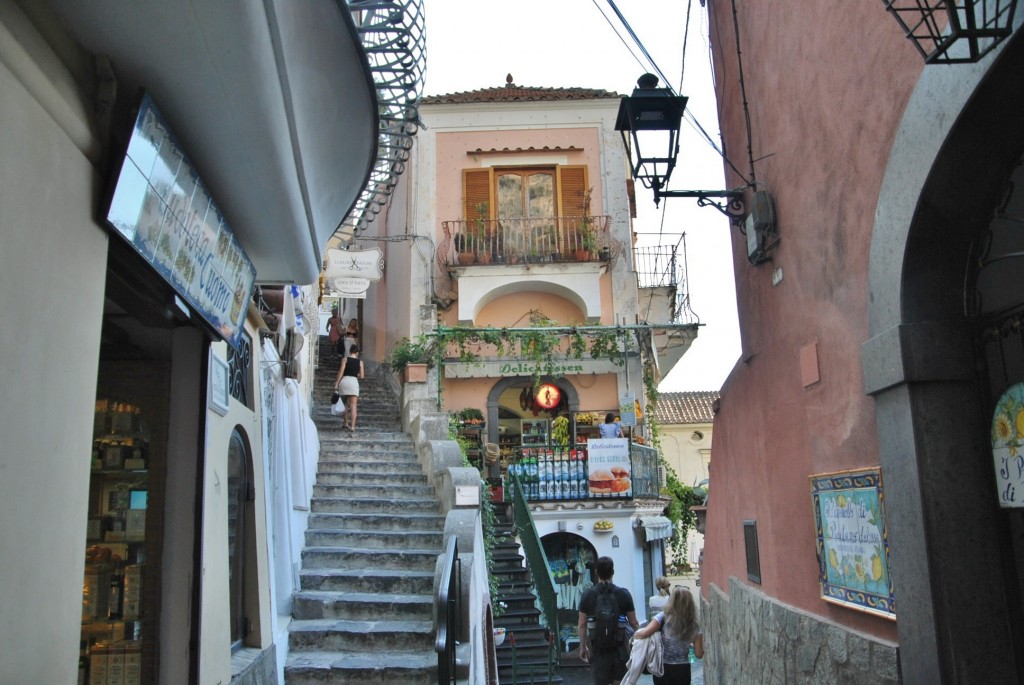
(527, 241)
(535, 556)
(448, 602)
(645, 470)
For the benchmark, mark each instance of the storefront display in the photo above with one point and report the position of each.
(112, 634)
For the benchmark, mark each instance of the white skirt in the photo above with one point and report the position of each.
(349, 386)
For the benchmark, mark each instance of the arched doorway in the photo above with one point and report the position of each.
(505, 394)
(958, 575)
(571, 560)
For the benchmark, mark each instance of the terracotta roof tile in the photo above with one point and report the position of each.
(686, 407)
(510, 92)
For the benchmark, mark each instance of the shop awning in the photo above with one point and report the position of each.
(656, 527)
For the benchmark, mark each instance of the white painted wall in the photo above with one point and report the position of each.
(52, 271)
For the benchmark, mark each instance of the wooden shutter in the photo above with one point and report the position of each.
(477, 193)
(572, 190)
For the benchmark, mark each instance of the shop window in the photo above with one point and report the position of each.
(240, 370)
(240, 520)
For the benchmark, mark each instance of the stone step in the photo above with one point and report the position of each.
(373, 539)
(368, 478)
(371, 505)
(386, 635)
(378, 522)
(359, 580)
(318, 604)
(382, 469)
(351, 668)
(398, 491)
(369, 558)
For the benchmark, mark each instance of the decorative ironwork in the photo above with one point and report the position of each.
(240, 369)
(653, 115)
(664, 266)
(393, 38)
(527, 241)
(645, 473)
(953, 31)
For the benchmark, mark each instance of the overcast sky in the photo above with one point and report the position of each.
(473, 44)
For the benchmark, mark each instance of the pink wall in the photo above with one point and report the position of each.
(826, 85)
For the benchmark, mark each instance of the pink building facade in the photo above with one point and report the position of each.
(878, 341)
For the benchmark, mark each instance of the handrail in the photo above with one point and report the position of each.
(535, 556)
(448, 612)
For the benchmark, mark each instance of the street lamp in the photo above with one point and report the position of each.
(649, 121)
(953, 31)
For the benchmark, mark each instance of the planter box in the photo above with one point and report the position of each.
(415, 373)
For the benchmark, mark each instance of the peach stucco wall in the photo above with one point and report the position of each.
(825, 102)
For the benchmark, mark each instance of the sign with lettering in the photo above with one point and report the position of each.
(349, 287)
(853, 544)
(368, 264)
(161, 207)
(610, 473)
(497, 368)
(1008, 446)
(627, 409)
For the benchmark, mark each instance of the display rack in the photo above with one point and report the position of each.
(475, 434)
(112, 606)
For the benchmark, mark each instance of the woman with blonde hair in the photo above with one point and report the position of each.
(679, 629)
(657, 602)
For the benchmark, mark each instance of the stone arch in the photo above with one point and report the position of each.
(941, 185)
(572, 398)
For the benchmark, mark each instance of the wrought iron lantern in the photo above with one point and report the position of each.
(649, 121)
(954, 31)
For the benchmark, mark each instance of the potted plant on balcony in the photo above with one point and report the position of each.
(586, 243)
(481, 248)
(463, 248)
(411, 359)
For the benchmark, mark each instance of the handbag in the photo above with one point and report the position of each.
(335, 397)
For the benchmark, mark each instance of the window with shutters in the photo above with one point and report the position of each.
(527, 210)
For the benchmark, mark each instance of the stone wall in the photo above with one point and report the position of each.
(750, 638)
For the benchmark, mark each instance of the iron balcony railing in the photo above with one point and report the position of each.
(535, 556)
(661, 266)
(646, 472)
(448, 612)
(526, 241)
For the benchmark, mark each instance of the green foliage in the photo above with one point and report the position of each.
(683, 519)
(422, 350)
(488, 517)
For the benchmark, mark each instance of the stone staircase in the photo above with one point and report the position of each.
(364, 613)
(521, 617)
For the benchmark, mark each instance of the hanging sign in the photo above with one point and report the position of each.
(627, 409)
(349, 287)
(368, 264)
(548, 396)
(1008, 446)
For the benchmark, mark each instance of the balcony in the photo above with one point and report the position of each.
(482, 242)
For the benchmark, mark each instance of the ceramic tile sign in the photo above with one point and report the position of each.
(1008, 446)
(161, 207)
(852, 541)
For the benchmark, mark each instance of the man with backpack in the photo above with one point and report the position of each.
(605, 610)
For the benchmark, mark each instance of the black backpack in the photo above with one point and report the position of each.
(605, 635)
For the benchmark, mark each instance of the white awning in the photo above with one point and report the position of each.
(656, 527)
